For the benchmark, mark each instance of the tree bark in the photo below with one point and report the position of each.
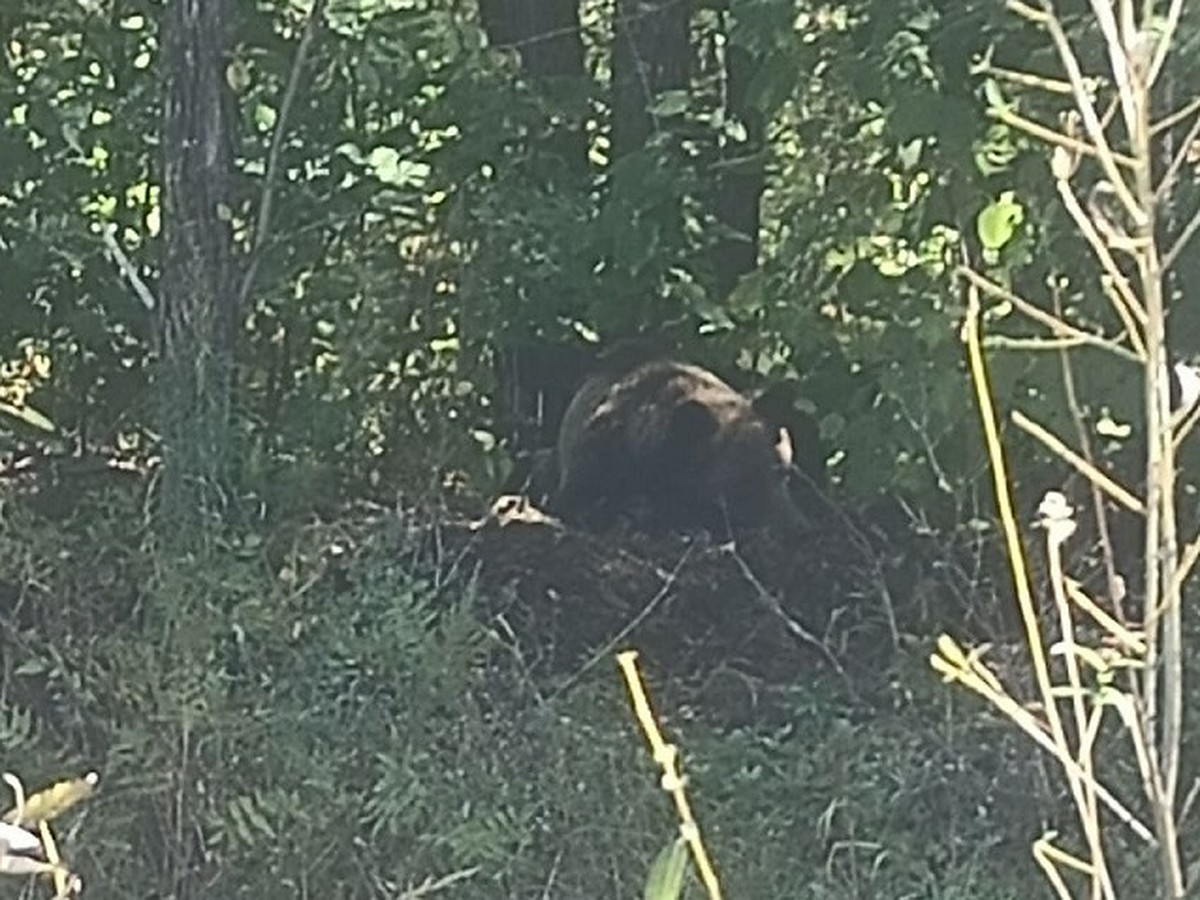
(197, 318)
(740, 186)
(547, 36)
(536, 372)
(652, 53)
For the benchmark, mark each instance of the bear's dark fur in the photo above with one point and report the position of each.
(676, 441)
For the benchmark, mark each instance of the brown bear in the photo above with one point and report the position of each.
(675, 441)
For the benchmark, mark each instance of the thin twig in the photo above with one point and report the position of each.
(1178, 161)
(1128, 638)
(1025, 79)
(1087, 110)
(1184, 428)
(1085, 445)
(1117, 60)
(1081, 465)
(271, 173)
(1035, 312)
(605, 651)
(1033, 344)
(1187, 561)
(1166, 37)
(431, 886)
(1050, 136)
(1123, 298)
(1189, 231)
(793, 627)
(1172, 119)
(128, 269)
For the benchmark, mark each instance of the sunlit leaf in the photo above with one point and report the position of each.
(666, 878)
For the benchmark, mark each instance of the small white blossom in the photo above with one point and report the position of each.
(1056, 516)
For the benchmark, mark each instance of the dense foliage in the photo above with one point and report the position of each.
(422, 226)
(324, 709)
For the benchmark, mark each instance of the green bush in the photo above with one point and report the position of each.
(328, 713)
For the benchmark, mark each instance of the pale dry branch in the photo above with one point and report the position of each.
(1035, 312)
(1189, 231)
(1172, 119)
(1122, 297)
(1048, 862)
(1126, 637)
(1178, 161)
(1024, 79)
(1117, 59)
(431, 885)
(1184, 428)
(1163, 47)
(1187, 562)
(1050, 136)
(1033, 344)
(1083, 434)
(128, 269)
(1085, 794)
(1081, 465)
(968, 673)
(667, 757)
(1091, 122)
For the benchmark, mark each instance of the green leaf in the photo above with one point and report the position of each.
(998, 221)
(29, 416)
(665, 881)
(995, 97)
(671, 103)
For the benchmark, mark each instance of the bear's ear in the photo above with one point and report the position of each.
(775, 403)
(692, 422)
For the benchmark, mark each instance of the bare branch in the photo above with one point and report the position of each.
(128, 269)
(1172, 119)
(1056, 325)
(1184, 427)
(1081, 465)
(1032, 344)
(1050, 136)
(271, 174)
(1117, 60)
(1165, 40)
(1187, 561)
(1180, 242)
(1178, 161)
(1025, 79)
(1129, 639)
(1087, 110)
(1083, 435)
(1122, 296)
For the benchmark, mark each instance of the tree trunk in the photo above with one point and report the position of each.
(197, 319)
(546, 35)
(741, 181)
(536, 372)
(652, 53)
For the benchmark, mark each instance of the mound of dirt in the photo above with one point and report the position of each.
(749, 612)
